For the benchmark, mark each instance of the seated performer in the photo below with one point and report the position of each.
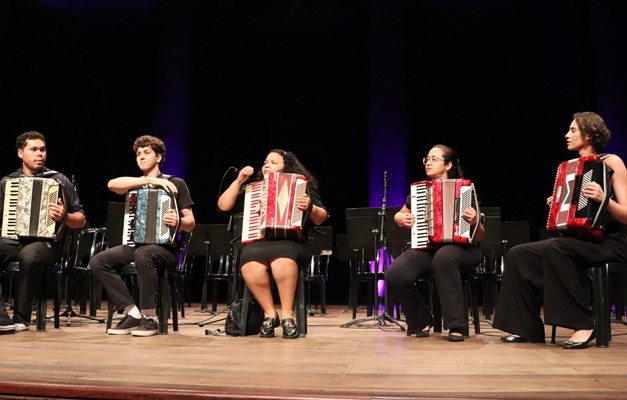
(281, 256)
(551, 267)
(149, 258)
(34, 253)
(447, 261)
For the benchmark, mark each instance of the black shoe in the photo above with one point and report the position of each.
(268, 325)
(127, 325)
(290, 330)
(147, 327)
(513, 339)
(423, 333)
(6, 323)
(455, 338)
(569, 344)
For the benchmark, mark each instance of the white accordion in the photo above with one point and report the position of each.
(25, 208)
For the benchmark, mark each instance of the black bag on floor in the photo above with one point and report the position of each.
(255, 318)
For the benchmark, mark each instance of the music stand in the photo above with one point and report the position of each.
(364, 226)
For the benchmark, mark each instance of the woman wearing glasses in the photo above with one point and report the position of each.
(447, 261)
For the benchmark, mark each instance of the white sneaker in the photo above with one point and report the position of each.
(20, 326)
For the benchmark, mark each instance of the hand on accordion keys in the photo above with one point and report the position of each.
(470, 215)
(303, 203)
(171, 218)
(57, 211)
(593, 191)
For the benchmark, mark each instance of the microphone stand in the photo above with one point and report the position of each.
(382, 259)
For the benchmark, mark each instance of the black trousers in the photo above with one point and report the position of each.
(447, 263)
(149, 260)
(548, 273)
(34, 258)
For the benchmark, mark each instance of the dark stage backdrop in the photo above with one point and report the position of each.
(355, 88)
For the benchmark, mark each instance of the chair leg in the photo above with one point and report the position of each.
(110, 312)
(177, 300)
(301, 309)
(163, 303)
(42, 303)
(323, 296)
(56, 303)
(602, 305)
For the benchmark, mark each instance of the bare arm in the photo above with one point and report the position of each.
(123, 184)
(229, 196)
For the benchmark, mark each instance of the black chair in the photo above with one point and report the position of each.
(87, 243)
(219, 264)
(471, 302)
(56, 271)
(41, 300)
(598, 276)
(321, 240)
(171, 281)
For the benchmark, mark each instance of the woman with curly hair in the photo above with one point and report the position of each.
(281, 256)
(547, 272)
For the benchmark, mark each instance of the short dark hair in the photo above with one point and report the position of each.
(21, 140)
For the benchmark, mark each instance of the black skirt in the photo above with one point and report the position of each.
(267, 250)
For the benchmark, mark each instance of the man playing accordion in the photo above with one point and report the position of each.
(149, 258)
(36, 249)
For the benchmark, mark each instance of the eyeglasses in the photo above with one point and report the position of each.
(426, 159)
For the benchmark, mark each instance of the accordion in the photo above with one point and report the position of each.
(571, 212)
(270, 207)
(438, 205)
(144, 209)
(25, 209)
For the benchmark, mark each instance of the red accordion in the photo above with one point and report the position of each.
(270, 207)
(438, 205)
(571, 212)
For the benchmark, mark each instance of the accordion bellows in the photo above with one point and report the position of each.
(144, 209)
(438, 205)
(270, 207)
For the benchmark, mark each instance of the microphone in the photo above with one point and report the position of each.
(386, 181)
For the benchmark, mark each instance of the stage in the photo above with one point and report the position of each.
(80, 361)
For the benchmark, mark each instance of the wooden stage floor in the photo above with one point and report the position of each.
(80, 361)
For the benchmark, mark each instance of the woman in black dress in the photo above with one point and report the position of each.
(281, 256)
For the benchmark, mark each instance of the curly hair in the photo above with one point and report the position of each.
(593, 126)
(154, 143)
(450, 156)
(292, 165)
(20, 142)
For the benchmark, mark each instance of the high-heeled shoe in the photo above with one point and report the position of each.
(423, 333)
(268, 325)
(569, 344)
